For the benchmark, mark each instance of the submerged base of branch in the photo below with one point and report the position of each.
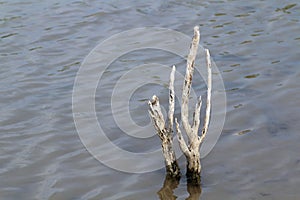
(193, 177)
(173, 170)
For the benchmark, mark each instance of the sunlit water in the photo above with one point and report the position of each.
(255, 44)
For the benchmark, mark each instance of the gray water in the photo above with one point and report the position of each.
(255, 44)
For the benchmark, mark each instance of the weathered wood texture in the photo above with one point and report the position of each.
(191, 148)
(165, 131)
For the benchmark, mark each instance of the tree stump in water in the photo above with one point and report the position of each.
(191, 148)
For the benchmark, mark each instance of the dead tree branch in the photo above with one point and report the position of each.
(191, 148)
(164, 131)
(191, 151)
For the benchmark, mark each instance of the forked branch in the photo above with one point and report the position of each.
(191, 151)
(164, 131)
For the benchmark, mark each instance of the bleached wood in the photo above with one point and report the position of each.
(184, 148)
(157, 116)
(196, 118)
(171, 98)
(188, 82)
(208, 100)
(164, 131)
(192, 150)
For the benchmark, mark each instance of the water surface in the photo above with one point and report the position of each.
(255, 44)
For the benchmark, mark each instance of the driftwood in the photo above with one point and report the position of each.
(165, 131)
(190, 148)
(191, 151)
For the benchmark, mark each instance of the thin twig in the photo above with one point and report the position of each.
(208, 100)
(171, 98)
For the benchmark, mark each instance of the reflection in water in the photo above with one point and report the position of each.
(167, 191)
(170, 184)
(194, 191)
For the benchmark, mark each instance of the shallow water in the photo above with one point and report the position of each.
(255, 45)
